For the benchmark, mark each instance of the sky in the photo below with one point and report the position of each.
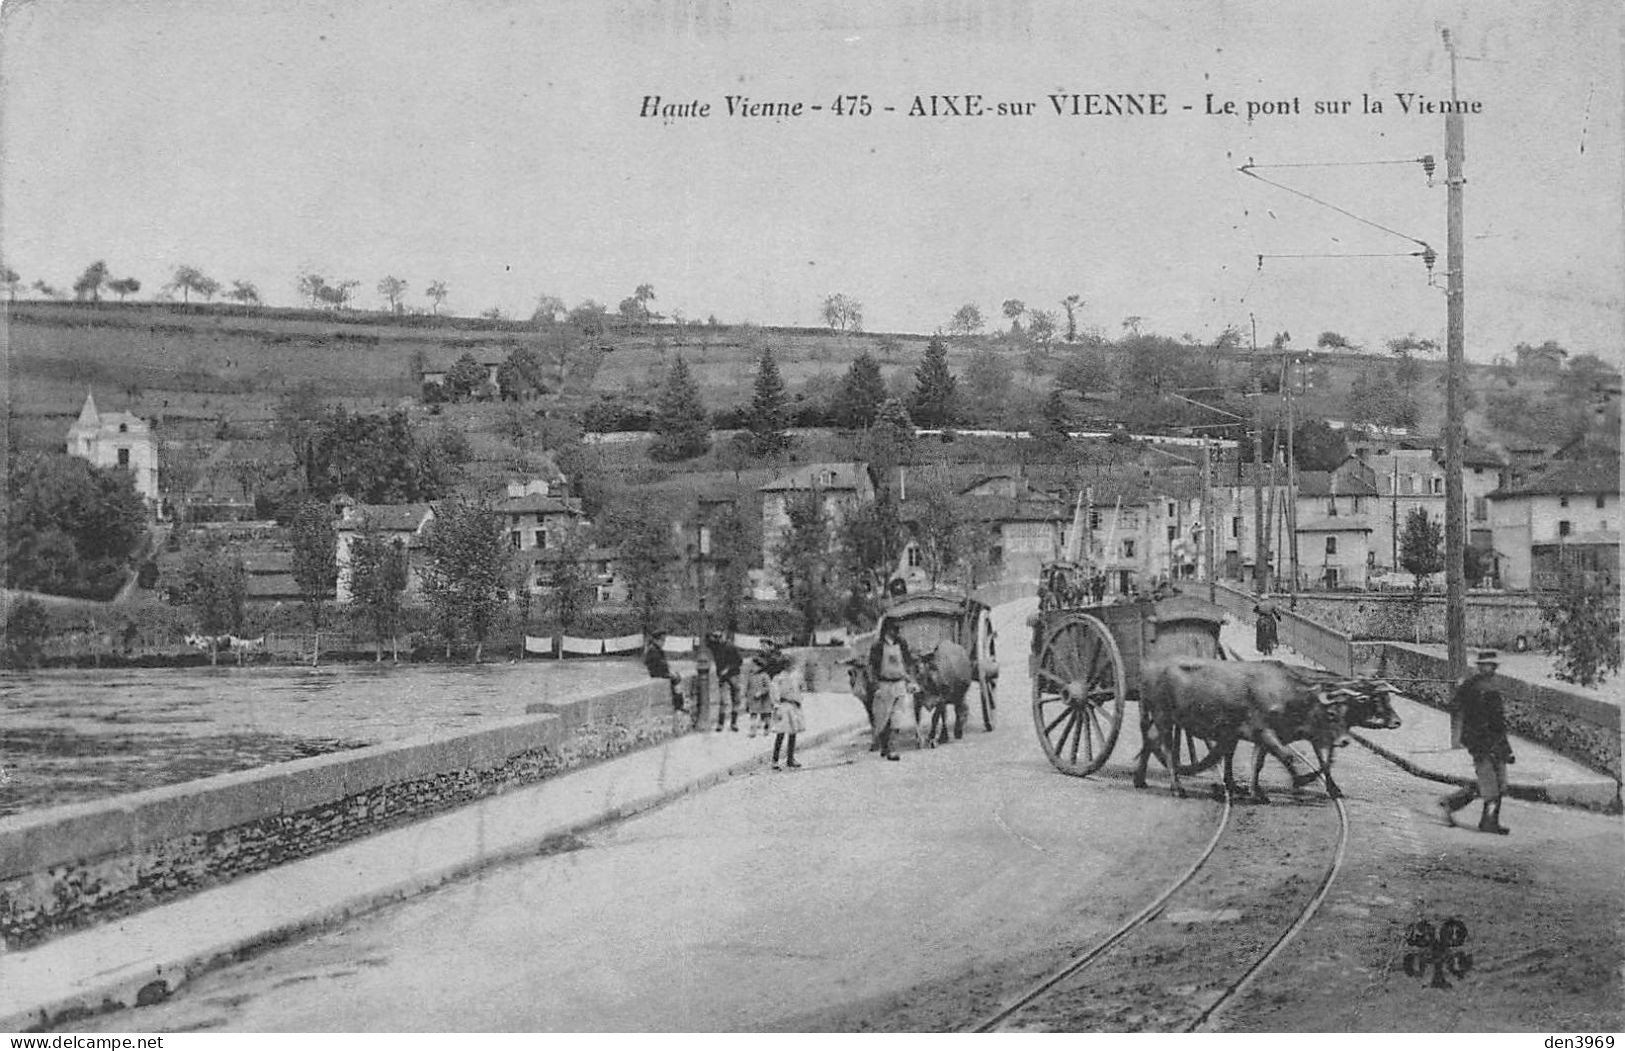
(499, 147)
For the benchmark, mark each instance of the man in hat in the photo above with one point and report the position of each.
(1483, 732)
(654, 660)
(728, 663)
(891, 670)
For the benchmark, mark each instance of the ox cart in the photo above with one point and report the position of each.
(1086, 665)
(925, 619)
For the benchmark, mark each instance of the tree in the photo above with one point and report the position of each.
(1131, 325)
(1317, 447)
(1057, 421)
(378, 574)
(1583, 611)
(803, 554)
(589, 317)
(465, 376)
(465, 569)
(245, 293)
(375, 458)
(337, 295)
(214, 583)
(1406, 348)
(521, 374)
(1013, 309)
(861, 393)
(124, 287)
(1549, 355)
(315, 568)
(643, 295)
(769, 413)
(889, 442)
(26, 629)
(642, 538)
(70, 526)
(1334, 341)
(941, 530)
(549, 309)
(967, 321)
(48, 291)
(189, 279)
(870, 543)
(89, 285)
(1041, 327)
(311, 286)
(1071, 304)
(1085, 371)
(392, 289)
(12, 280)
(988, 381)
(437, 293)
(842, 313)
(572, 577)
(935, 401)
(681, 427)
(1421, 552)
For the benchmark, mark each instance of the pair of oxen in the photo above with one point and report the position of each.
(1266, 702)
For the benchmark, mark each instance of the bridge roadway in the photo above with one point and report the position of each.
(855, 894)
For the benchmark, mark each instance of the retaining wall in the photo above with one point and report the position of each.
(74, 866)
(1580, 728)
(1493, 621)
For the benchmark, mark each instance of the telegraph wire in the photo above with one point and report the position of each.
(1246, 169)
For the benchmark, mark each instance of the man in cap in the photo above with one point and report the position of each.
(1483, 732)
(728, 663)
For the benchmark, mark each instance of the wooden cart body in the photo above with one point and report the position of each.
(1087, 662)
(929, 617)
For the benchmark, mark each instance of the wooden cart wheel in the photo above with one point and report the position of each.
(986, 659)
(1078, 694)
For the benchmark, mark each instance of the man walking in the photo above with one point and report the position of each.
(890, 667)
(1483, 732)
(1266, 635)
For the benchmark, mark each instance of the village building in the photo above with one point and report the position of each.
(1562, 514)
(119, 440)
(841, 486)
(403, 525)
(538, 518)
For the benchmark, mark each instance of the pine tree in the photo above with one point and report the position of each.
(936, 394)
(769, 409)
(862, 392)
(682, 429)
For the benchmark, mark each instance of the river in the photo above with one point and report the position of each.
(70, 736)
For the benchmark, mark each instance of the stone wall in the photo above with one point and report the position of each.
(1494, 621)
(1581, 728)
(75, 866)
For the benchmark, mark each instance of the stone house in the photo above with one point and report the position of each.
(843, 486)
(117, 439)
(402, 524)
(538, 518)
(1563, 513)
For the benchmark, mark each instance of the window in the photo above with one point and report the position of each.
(1172, 530)
(124, 428)
(1172, 510)
(1563, 528)
(1235, 526)
(541, 538)
(124, 458)
(513, 539)
(1128, 549)
(1356, 505)
(912, 554)
(1438, 485)
(1094, 519)
(515, 518)
(1602, 501)
(1331, 545)
(1481, 509)
(1331, 507)
(1562, 501)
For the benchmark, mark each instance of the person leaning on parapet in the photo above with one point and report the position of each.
(1483, 732)
(654, 659)
(891, 667)
(1267, 633)
(728, 663)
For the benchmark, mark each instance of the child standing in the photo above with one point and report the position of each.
(787, 718)
(760, 699)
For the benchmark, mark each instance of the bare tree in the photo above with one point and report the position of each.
(842, 313)
(392, 289)
(437, 293)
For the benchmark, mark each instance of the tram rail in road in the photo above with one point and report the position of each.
(1237, 901)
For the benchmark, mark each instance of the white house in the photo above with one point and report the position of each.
(117, 439)
(1565, 512)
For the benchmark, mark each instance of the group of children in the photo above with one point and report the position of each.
(772, 702)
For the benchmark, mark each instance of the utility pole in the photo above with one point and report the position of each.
(1291, 486)
(1207, 520)
(1261, 569)
(1455, 573)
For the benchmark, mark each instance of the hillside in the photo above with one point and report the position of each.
(192, 367)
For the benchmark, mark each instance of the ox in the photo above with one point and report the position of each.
(1324, 712)
(1217, 701)
(942, 677)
